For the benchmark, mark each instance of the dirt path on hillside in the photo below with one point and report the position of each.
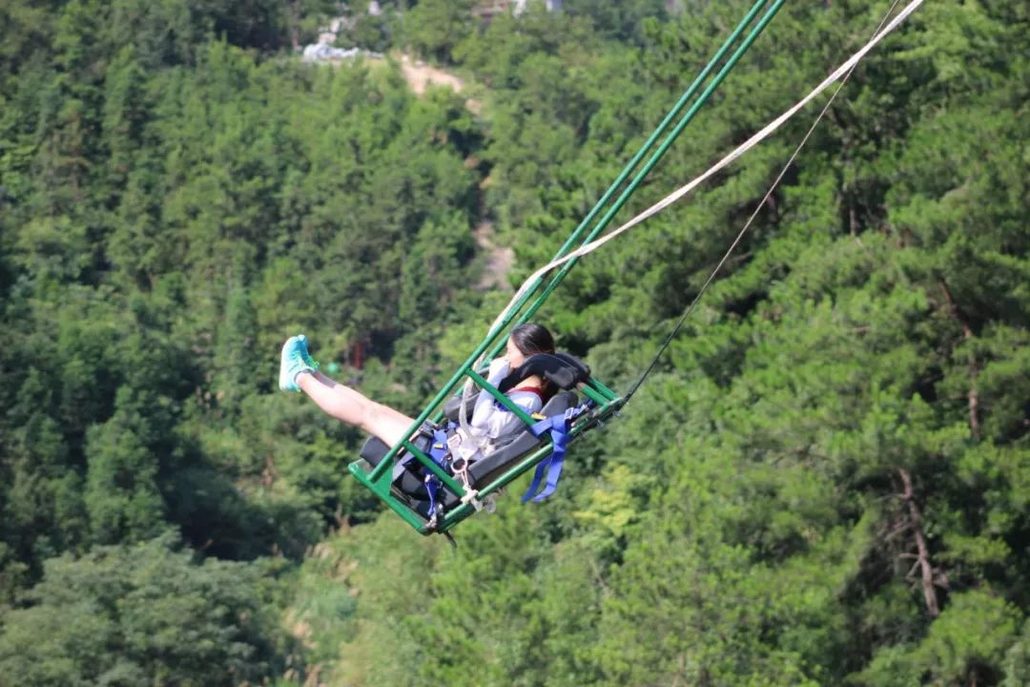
(499, 259)
(419, 75)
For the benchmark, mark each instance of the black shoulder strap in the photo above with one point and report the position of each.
(561, 369)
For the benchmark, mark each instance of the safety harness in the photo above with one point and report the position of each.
(443, 442)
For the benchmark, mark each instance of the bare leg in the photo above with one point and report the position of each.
(350, 406)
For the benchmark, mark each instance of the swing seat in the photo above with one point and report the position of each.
(434, 499)
(409, 475)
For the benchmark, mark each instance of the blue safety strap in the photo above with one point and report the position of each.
(558, 426)
(438, 452)
(432, 484)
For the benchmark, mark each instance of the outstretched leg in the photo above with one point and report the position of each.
(350, 406)
(297, 372)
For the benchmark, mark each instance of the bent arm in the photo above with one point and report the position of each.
(498, 371)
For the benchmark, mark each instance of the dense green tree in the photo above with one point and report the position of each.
(618, 20)
(147, 613)
(122, 497)
(825, 481)
(433, 27)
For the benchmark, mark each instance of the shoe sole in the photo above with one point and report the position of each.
(285, 383)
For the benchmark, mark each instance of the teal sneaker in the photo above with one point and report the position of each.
(308, 360)
(293, 362)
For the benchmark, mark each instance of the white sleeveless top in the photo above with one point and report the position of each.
(492, 420)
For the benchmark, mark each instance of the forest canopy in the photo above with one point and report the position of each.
(827, 480)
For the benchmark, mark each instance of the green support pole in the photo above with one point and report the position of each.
(662, 126)
(658, 154)
(639, 155)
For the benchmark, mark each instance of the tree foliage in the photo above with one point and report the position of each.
(825, 482)
(147, 613)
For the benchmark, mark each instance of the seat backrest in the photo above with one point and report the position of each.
(558, 404)
(452, 406)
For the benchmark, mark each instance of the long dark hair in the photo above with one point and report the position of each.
(531, 338)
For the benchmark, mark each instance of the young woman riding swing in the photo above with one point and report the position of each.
(490, 420)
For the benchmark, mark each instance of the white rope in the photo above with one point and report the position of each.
(783, 172)
(750, 220)
(714, 169)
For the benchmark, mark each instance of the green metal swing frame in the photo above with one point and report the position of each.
(606, 402)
